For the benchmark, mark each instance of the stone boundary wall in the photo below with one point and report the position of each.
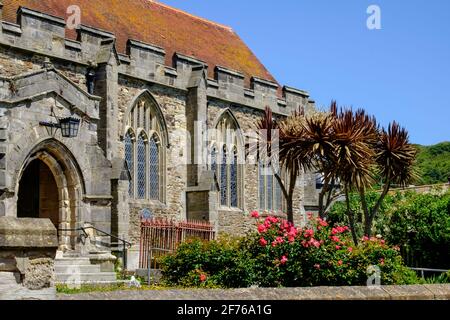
(412, 292)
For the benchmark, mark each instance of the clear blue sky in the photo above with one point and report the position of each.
(401, 72)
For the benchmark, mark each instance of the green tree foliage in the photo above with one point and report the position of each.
(433, 163)
(418, 223)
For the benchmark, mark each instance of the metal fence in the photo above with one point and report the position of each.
(160, 236)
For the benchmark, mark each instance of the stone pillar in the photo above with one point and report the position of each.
(201, 193)
(27, 252)
(106, 87)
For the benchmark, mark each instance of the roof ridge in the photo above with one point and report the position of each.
(191, 15)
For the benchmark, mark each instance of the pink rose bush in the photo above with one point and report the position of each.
(317, 254)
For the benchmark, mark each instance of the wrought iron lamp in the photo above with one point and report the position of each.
(69, 126)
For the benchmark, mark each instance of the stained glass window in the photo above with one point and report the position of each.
(141, 169)
(154, 170)
(224, 178)
(129, 159)
(234, 180)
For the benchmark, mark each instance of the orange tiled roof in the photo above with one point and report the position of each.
(159, 24)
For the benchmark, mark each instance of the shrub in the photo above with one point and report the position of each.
(281, 255)
(198, 263)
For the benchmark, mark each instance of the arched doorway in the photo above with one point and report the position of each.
(50, 185)
(38, 193)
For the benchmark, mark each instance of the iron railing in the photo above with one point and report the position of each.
(161, 236)
(126, 244)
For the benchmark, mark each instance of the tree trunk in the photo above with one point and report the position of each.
(290, 210)
(367, 220)
(351, 218)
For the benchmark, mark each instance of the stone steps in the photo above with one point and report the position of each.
(79, 261)
(83, 278)
(79, 270)
(68, 269)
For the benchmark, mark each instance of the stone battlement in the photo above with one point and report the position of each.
(45, 34)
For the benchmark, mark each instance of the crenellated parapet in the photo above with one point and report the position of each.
(45, 34)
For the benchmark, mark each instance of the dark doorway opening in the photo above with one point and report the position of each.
(38, 193)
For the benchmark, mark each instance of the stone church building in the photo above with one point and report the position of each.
(139, 84)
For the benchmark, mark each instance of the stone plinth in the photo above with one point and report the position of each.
(27, 252)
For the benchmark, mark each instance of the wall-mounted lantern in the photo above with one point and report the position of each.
(69, 126)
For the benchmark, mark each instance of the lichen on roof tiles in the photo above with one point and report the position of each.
(156, 23)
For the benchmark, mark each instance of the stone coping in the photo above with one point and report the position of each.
(27, 233)
(403, 292)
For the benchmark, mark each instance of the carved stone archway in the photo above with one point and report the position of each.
(70, 188)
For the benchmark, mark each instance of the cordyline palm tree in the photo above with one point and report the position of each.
(395, 157)
(354, 137)
(268, 130)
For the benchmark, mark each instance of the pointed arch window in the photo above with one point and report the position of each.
(234, 179)
(141, 168)
(154, 169)
(224, 178)
(129, 158)
(145, 155)
(225, 161)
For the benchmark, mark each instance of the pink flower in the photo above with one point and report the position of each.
(309, 233)
(382, 261)
(273, 219)
(335, 239)
(323, 223)
(255, 214)
(334, 231)
(365, 238)
(315, 243)
(274, 243)
(317, 266)
(338, 247)
(283, 260)
(382, 242)
(350, 249)
(202, 277)
(263, 242)
(262, 228)
(340, 262)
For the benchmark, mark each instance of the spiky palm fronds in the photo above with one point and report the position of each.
(395, 155)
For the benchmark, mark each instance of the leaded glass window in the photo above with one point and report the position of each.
(262, 187)
(270, 193)
(224, 178)
(129, 158)
(141, 169)
(145, 157)
(269, 179)
(225, 161)
(154, 170)
(234, 180)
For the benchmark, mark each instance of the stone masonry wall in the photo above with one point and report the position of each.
(172, 103)
(237, 221)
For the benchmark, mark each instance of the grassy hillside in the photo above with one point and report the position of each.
(433, 163)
